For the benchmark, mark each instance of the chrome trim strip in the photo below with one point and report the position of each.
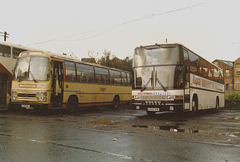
(20, 89)
(79, 92)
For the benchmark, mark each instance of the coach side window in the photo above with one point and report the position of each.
(115, 77)
(185, 55)
(128, 79)
(124, 78)
(5, 51)
(17, 51)
(85, 73)
(210, 73)
(194, 63)
(221, 77)
(216, 73)
(70, 71)
(101, 75)
(203, 71)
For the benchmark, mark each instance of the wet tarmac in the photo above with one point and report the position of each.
(103, 134)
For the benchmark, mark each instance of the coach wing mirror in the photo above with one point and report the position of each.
(139, 82)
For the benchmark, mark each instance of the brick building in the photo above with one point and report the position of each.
(236, 74)
(231, 71)
(228, 72)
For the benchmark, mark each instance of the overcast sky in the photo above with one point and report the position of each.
(211, 28)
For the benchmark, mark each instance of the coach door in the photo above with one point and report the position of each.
(186, 74)
(57, 84)
(3, 88)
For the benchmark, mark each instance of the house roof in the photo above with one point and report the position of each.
(237, 60)
(229, 63)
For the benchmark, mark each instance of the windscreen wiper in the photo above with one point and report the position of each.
(33, 76)
(145, 86)
(20, 79)
(160, 83)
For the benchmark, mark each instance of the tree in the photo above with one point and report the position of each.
(105, 59)
(127, 64)
(110, 60)
(91, 57)
(89, 60)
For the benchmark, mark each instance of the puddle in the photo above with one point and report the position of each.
(168, 127)
(231, 118)
(171, 128)
(193, 131)
(59, 120)
(123, 124)
(179, 124)
(235, 135)
(140, 126)
(105, 122)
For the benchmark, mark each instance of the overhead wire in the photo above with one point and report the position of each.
(124, 23)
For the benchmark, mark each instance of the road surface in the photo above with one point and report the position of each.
(119, 135)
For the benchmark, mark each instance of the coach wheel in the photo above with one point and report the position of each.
(217, 104)
(194, 104)
(115, 102)
(72, 104)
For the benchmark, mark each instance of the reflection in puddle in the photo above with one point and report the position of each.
(231, 118)
(235, 135)
(140, 126)
(171, 128)
(106, 122)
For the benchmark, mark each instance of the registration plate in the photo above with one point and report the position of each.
(26, 106)
(153, 109)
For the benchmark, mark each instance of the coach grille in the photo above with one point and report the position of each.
(163, 97)
(27, 95)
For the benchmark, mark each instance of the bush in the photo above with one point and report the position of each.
(234, 96)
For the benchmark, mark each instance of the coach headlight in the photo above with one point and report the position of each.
(42, 96)
(136, 97)
(170, 97)
(14, 95)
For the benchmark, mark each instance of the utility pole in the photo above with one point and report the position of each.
(5, 35)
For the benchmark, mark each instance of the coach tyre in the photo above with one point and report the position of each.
(72, 104)
(116, 102)
(217, 103)
(194, 104)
